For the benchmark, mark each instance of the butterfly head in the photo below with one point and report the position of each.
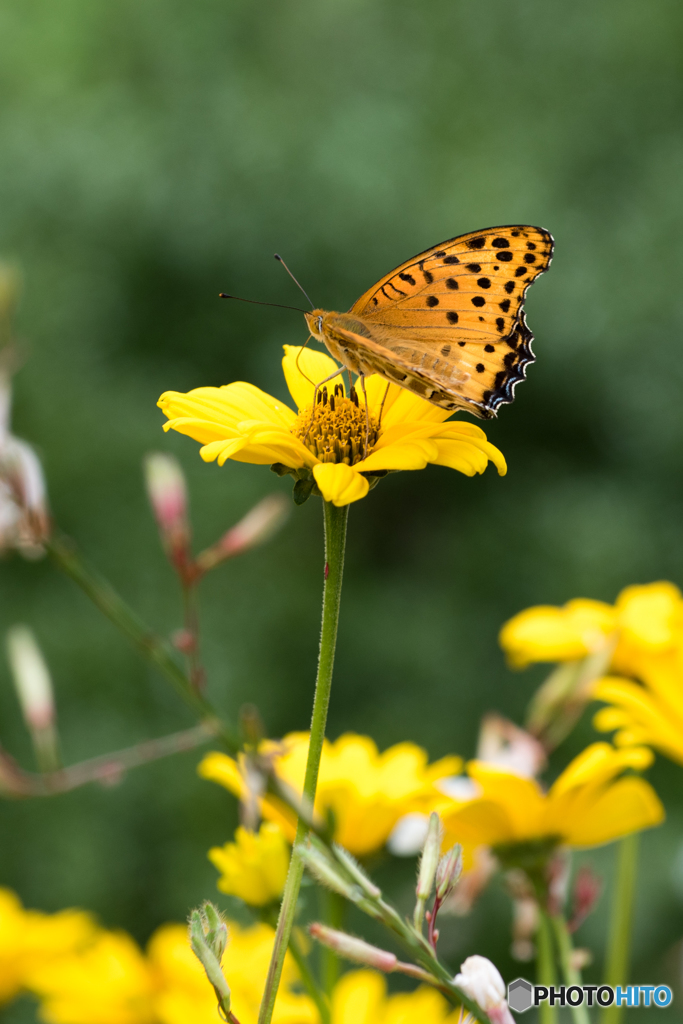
(314, 319)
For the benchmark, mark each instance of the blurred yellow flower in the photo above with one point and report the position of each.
(109, 982)
(360, 997)
(366, 792)
(547, 633)
(644, 620)
(326, 444)
(185, 995)
(592, 802)
(254, 867)
(28, 937)
(649, 710)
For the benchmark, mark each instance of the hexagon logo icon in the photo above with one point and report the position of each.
(520, 995)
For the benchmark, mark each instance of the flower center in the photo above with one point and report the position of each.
(335, 428)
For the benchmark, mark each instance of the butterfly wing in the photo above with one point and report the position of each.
(459, 306)
(451, 378)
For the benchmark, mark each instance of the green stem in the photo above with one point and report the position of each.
(334, 917)
(335, 543)
(621, 922)
(545, 966)
(571, 974)
(65, 555)
(308, 979)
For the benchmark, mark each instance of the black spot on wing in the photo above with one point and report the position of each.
(509, 287)
(478, 300)
(474, 268)
(452, 318)
(476, 243)
(504, 257)
(432, 301)
(452, 284)
(445, 350)
(451, 260)
(504, 305)
(407, 277)
(500, 243)
(484, 282)
(515, 363)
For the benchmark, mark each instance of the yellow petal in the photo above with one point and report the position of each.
(313, 367)
(628, 805)
(381, 395)
(649, 615)
(547, 633)
(411, 454)
(228, 405)
(339, 483)
(358, 998)
(409, 408)
(599, 763)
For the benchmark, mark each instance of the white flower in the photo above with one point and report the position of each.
(481, 981)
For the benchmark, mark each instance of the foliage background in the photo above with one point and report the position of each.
(153, 154)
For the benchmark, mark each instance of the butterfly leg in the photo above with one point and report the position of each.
(367, 416)
(381, 408)
(317, 387)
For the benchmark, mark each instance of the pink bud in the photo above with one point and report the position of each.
(354, 949)
(31, 678)
(167, 493)
(587, 889)
(259, 524)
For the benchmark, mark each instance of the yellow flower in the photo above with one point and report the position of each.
(644, 620)
(254, 867)
(649, 710)
(360, 997)
(591, 803)
(366, 792)
(547, 633)
(186, 996)
(109, 982)
(28, 937)
(326, 445)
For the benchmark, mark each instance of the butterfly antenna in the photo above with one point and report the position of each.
(280, 259)
(255, 302)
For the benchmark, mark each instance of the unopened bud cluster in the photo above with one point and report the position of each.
(208, 939)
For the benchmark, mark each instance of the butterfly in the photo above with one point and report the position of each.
(449, 323)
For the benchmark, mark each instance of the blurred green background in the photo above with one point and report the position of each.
(152, 154)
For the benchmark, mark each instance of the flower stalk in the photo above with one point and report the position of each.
(571, 974)
(336, 519)
(621, 922)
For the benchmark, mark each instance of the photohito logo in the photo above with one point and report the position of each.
(522, 995)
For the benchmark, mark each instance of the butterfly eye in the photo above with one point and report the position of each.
(319, 322)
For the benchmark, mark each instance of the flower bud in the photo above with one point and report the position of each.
(208, 939)
(258, 526)
(356, 872)
(427, 869)
(472, 883)
(429, 859)
(24, 520)
(481, 981)
(448, 872)
(503, 743)
(354, 949)
(167, 492)
(319, 863)
(587, 889)
(33, 686)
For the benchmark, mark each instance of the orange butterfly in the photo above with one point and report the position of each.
(447, 324)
